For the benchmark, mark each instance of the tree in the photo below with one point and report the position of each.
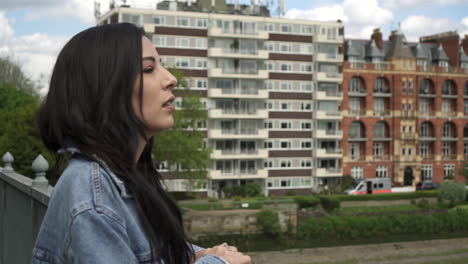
(18, 131)
(183, 145)
(10, 72)
(453, 192)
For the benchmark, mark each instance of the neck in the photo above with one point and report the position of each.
(140, 148)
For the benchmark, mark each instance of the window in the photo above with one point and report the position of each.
(380, 130)
(380, 85)
(354, 106)
(203, 23)
(355, 85)
(183, 42)
(447, 130)
(378, 150)
(202, 83)
(284, 106)
(357, 172)
(446, 106)
(285, 47)
(305, 106)
(306, 125)
(381, 171)
(354, 151)
(159, 20)
(403, 85)
(424, 149)
(285, 144)
(306, 163)
(410, 86)
(355, 130)
(306, 68)
(306, 144)
(445, 149)
(286, 67)
(268, 124)
(285, 163)
(268, 164)
(268, 144)
(465, 107)
(426, 172)
(182, 21)
(285, 86)
(423, 106)
(379, 106)
(182, 63)
(306, 86)
(465, 149)
(449, 170)
(159, 41)
(269, 66)
(425, 130)
(403, 152)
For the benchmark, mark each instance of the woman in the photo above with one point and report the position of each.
(108, 97)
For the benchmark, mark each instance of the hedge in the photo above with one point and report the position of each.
(387, 196)
(354, 227)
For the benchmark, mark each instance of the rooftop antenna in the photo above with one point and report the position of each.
(282, 8)
(97, 9)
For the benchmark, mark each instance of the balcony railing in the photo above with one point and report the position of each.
(427, 138)
(357, 112)
(360, 92)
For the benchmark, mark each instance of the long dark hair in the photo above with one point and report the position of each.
(89, 103)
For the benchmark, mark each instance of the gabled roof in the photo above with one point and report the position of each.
(352, 49)
(398, 48)
(373, 51)
(439, 54)
(463, 55)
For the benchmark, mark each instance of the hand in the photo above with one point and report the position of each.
(228, 253)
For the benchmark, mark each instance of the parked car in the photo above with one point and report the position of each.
(427, 186)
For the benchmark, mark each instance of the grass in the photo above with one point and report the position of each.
(375, 209)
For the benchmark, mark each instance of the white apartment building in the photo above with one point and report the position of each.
(271, 85)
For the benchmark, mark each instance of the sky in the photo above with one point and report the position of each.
(32, 32)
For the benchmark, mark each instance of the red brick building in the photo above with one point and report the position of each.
(405, 107)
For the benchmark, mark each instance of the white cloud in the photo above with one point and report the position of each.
(35, 53)
(360, 16)
(399, 4)
(416, 26)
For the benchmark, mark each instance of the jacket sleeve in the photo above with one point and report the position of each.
(208, 259)
(98, 238)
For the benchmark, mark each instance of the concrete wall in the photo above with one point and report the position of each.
(22, 208)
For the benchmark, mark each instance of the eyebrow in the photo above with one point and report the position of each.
(151, 58)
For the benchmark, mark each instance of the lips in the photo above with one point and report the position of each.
(169, 103)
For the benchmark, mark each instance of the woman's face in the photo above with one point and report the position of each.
(156, 106)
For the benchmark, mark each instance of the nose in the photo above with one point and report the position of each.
(170, 81)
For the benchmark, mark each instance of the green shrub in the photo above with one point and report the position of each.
(290, 193)
(306, 201)
(246, 190)
(329, 203)
(268, 222)
(452, 192)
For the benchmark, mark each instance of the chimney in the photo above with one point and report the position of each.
(465, 44)
(377, 37)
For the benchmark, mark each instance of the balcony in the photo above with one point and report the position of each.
(409, 136)
(237, 33)
(326, 57)
(449, 96)
(238, 53)
(427, 138)
(237, 114)
(328, 134)
(238, 133)
(382, 138)
(427, 95)
(382, 94)
(239, 154)
(353, 137)
(328, 172)
(329, 77)
(328, 39)
(238, 93)
(240, 73)
(328, 153)
(381, 158)
(357, 158)
(357, 112)
(356, 93)
(364, 65)
(382, 113)
(449, 157)
(320, 114)
(238, 174)
(449, 138)
(328, 95)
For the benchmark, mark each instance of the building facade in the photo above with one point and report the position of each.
(271, 86)
(405, 107)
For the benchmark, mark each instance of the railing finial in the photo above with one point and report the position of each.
(7, 161)
(40, 166)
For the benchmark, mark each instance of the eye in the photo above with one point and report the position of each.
(149, 69)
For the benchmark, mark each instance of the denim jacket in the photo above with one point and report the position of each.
(91, 218)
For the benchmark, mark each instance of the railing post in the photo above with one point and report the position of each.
(7, 161)
(40, 166)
